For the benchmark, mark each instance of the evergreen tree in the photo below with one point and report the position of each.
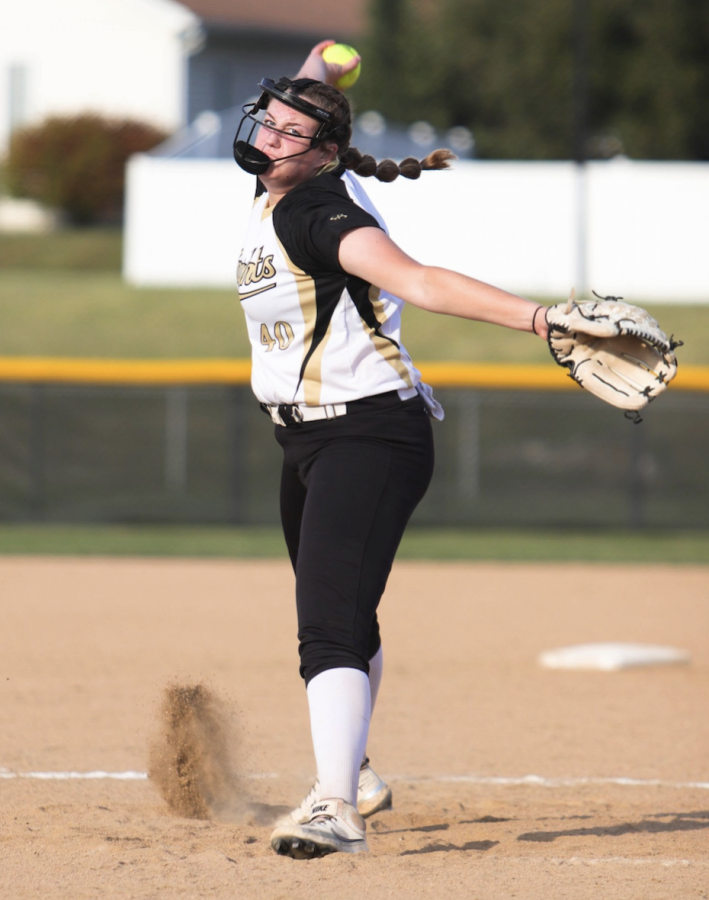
(507, 70)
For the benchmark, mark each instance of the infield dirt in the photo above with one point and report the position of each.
(102, 660)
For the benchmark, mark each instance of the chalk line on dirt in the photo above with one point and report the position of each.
(539, 781)
(529, 780)
(117, 776)
(70, 776)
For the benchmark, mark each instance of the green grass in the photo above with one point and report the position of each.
(94, 314)
(61, 294)
(95, 249)
(440, 544)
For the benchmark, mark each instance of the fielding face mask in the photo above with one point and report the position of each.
(255, 161)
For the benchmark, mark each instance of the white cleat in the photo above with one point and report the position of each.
(373, 795)
(334, 826)
(301, 814)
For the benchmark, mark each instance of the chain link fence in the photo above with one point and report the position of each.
(81, 454)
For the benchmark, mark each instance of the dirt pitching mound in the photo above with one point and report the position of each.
(191, 757)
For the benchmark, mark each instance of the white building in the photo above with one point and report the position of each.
(158, 61)
(118, 58)
(161, 62)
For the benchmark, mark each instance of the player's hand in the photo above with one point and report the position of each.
(316, 67)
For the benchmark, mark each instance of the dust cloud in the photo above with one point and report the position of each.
(192, 760)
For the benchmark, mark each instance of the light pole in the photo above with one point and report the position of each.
(580, 31)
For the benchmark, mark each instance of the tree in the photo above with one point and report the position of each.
(506, 71)
(77, 165)
(650, 76)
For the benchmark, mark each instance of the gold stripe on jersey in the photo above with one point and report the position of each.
(384, 347)
(312, 377)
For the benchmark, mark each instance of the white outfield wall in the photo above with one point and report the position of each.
(644, 226)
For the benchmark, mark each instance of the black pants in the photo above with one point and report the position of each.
(348, 488)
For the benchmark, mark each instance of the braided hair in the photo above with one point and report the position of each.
(364, 165)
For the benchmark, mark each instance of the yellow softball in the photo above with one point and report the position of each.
(341, 54)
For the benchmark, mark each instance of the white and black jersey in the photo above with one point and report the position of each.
(319, 335)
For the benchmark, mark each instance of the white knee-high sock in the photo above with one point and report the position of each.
(376, 668)
(340, 708)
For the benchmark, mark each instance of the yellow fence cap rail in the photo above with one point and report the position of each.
(499, 376)
(489, 376)
(125, 371)
(533, 377)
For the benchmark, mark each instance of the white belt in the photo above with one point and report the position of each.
(292, 414)
(281, 414)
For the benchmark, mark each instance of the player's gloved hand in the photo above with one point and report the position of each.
(613, 349)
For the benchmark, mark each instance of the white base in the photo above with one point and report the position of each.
(611, 657)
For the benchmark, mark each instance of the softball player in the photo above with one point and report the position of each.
(321, 285)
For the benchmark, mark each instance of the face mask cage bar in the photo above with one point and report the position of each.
(255, 161)
(256, 119)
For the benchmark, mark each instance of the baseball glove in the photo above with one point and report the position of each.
(615, 350)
